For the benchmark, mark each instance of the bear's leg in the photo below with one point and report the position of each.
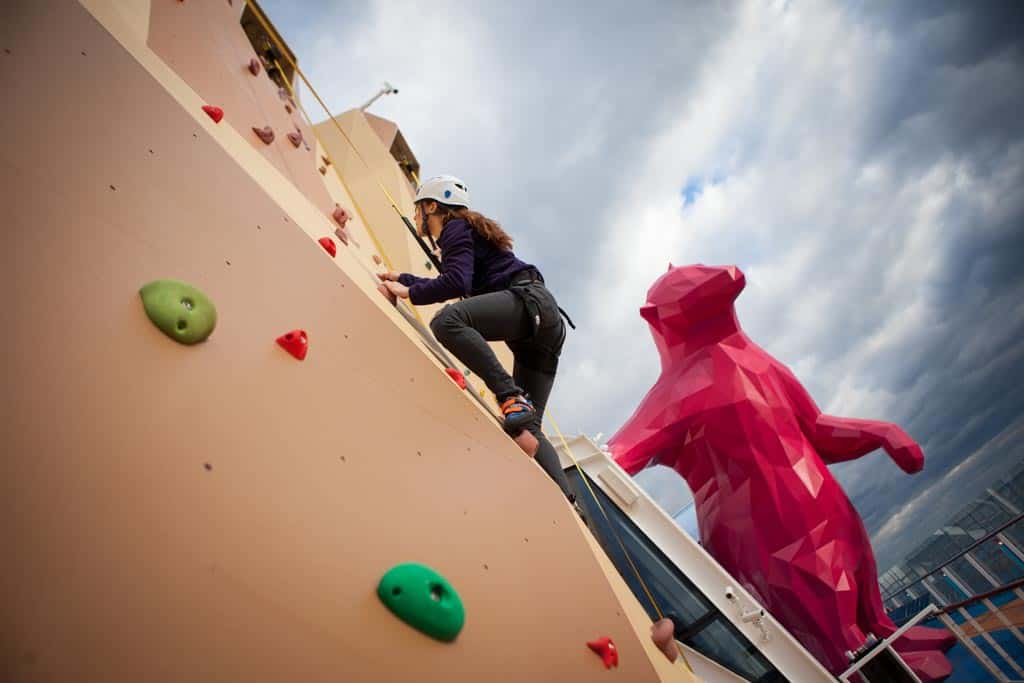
(919, 647)
(822, 618)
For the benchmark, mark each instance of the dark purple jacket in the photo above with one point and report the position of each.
(470, 265)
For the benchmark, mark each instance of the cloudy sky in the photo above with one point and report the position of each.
(862, 162)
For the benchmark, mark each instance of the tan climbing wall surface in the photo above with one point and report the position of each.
(203, 42)
(223, 511)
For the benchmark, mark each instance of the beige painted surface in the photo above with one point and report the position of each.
(634, 611)
(223, 512)
(362, 166)
(205, 45)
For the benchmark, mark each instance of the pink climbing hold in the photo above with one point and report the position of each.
(215, 113)
(606, 649)
(266, 134)
(387, 294)
(328, 244)
(295, 342)
(340, 215)
(663, 635)
(457, 377)
(295, 139)
(254, 66)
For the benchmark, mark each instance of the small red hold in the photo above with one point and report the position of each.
(456, 377)
(323, 170)
(340, 215)
(606, 648)
(266, 134)
(254, 66)
(295, 139)
(215, 113)
(295, 343)
(328, 244)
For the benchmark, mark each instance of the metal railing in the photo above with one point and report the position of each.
(962, 553)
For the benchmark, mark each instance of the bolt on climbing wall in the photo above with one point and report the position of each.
(190, 493)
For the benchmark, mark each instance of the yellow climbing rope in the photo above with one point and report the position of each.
(273, 35)
(611, 526)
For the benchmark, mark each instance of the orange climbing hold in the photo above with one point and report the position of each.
(457, 377)
(266, 134)
(295, 342)
(254, 66)
(376, 259)
(606, 649)
(328, 244)
(215, 113)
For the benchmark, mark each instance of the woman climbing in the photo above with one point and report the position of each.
(506, 300)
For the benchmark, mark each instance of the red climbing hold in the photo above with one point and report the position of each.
(340, 215)
(266, 134)
(328, 244)
(295, 343)
(254, 66)
(215, 113)
(456, 377)
(606, 648)
(295, 139)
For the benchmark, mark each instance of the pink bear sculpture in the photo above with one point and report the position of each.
(754, 449)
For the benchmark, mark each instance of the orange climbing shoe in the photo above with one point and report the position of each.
(518, 412)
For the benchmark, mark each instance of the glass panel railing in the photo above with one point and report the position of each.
(698, 623)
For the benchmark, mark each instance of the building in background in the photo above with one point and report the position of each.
(980, 548)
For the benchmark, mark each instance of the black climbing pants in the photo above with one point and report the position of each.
(526, 317)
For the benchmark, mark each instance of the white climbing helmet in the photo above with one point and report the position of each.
(446, 189)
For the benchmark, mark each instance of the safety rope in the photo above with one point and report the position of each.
(615, 533)
(369, 229)
(270, 32)
(394, 204)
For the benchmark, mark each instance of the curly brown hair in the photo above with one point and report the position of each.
(482, 224)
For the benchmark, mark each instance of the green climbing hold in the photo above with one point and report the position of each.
(181, 311)
(422, 598)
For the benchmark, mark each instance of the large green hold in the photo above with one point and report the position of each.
(181, 311)
(422, 598)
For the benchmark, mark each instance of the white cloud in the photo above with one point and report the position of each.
(861, 164)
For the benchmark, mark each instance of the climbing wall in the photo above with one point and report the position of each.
(224, 510)
(204, 43)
